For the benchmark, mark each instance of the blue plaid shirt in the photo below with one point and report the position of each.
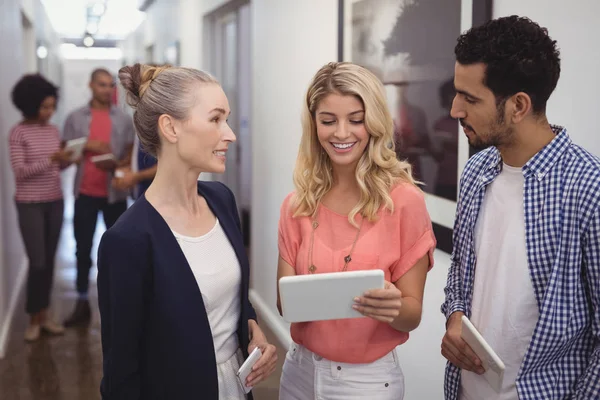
(562, 229)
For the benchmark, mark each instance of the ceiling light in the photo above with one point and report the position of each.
(88, 41)
(42, 52)
(98, 9)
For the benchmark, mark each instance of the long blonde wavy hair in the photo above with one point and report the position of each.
(378, 169)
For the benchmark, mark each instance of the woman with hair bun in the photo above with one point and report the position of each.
(173, 274)
(356, 207)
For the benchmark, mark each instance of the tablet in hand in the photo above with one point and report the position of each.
(320, 297)
(246, 368)
(492, 364)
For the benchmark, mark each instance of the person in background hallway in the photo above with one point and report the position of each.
(37, 158)
(526, 261)
(173, 275)
(139, 175)
(357, 204)
(109, 130)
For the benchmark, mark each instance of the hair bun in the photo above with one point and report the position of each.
(130, 77)
(150, 73)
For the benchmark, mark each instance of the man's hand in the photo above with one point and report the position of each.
(456, 350)
(265, 365)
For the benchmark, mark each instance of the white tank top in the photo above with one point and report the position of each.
(217, 272)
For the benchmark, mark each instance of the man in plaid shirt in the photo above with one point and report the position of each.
(526, 261)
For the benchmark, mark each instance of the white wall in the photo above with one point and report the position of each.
(575, 102)
(167, 21)
(11, 251)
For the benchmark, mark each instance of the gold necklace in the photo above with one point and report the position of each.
(315, 224)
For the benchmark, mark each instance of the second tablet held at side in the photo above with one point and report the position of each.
(493, 365)
(320, 297)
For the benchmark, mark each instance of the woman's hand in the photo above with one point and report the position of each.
(380, 304)
(62, 156)
(265, 365)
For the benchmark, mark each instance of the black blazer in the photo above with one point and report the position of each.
(156, 338)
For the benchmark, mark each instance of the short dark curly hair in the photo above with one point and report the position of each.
(519, 57)
(29, 93)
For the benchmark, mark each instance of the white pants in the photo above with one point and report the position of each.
(307, 376)
(229, 387)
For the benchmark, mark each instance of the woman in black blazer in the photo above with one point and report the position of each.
(173, 274)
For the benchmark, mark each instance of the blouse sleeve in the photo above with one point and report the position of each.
(416, 237)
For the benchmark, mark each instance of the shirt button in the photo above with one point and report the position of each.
(339, 368)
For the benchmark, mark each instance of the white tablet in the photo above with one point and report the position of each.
(493, 365)
(76, 146)
(103, 157)
(320, 297)
(246, 368)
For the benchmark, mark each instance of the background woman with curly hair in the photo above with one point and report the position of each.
(356, 207)
(37, 158)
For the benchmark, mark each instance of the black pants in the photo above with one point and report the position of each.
(40, 225)
(84, 225)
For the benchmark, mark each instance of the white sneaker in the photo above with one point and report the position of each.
(32, 333)
(53, 328)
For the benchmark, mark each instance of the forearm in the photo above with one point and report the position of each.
(410, 315)
(25, 171)
(124, 162)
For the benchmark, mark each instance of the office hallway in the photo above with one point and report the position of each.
(69, 367)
